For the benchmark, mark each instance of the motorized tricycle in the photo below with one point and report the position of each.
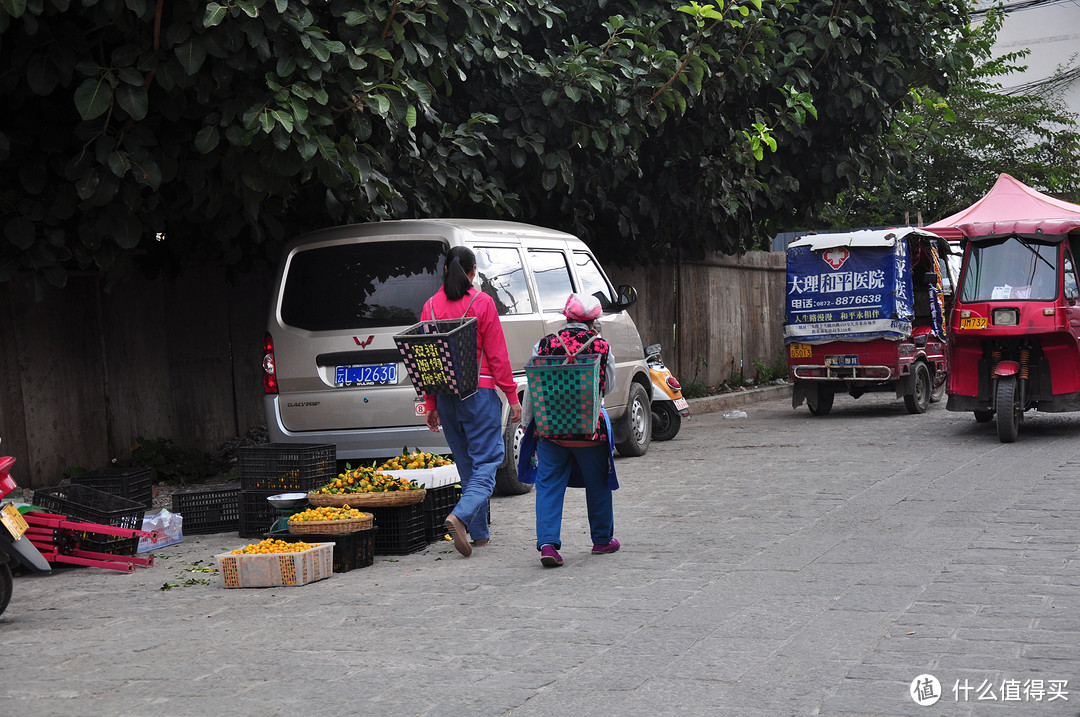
(1015, 328)
(15, 546)
(865, 314)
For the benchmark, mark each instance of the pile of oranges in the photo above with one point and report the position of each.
(271, 545)
(411, 460)
(328, 513)
(366, 480)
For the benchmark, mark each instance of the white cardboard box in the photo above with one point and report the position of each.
(429, 477)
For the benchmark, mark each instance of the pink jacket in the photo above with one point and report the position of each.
(495, 370)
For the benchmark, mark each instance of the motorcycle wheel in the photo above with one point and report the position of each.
(919, 399)
(666, 421)
(1008, 410)
(6, 586)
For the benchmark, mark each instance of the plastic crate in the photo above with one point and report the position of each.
(428, 477)
(89, 505)
(438, 502)
(256, 514)
(277, 569)
(134, 483)
(565, 394)
(400, 529)
(440, 356)
(287, 467)
(351, 550)
(209, 510)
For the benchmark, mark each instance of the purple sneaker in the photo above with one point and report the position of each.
(605, 549)
(549, 556)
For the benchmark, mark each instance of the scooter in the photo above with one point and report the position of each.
(15, 547)
(668, 405)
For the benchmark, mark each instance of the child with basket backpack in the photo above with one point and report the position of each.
(581, 460)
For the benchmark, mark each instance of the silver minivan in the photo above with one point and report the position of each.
(334, 375)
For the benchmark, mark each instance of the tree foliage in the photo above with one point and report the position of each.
(962, 140)
(159, 133)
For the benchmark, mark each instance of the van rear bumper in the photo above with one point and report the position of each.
(358, 443)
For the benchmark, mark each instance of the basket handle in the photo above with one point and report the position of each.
(580, 349)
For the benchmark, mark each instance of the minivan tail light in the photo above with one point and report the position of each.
(269, 367)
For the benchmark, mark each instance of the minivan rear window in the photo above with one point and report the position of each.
(361, 285)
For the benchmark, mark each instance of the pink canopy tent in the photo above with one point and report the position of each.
(1010, 207)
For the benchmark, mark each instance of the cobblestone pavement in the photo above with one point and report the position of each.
(773, 565)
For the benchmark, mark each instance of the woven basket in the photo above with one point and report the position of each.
(300, 527)
(440, 356)
(565, 394)
(382, 499)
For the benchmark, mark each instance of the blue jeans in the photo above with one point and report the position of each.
(473, 430)
(552, 474)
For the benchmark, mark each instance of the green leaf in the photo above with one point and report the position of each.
(192, 54)
(92, 97)
(207, 139)
(133, 100)
(15, 8)
(410, 117)
(214, 14)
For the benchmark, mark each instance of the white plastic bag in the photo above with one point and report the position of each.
(169, 524)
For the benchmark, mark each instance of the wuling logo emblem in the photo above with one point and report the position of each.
(836, 256)
(363, 344)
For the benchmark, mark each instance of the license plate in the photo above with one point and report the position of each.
(13, 521)
(799, 351)
(382, 374)
(975, 322)
(845, 360)
(681, 404)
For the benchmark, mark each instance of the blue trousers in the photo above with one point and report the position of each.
(552, 474)
(473, 430)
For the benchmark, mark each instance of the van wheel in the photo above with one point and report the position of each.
(506, 478)
(639, 423)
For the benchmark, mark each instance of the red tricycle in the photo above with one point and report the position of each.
(1016, 325)
(865, 313)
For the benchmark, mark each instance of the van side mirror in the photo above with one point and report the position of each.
(627, 297)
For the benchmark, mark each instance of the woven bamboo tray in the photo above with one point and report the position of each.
(382, 499)
(301, 527)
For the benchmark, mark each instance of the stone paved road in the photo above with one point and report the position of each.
(773, 565)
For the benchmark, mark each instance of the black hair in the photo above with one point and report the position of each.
(460, 260)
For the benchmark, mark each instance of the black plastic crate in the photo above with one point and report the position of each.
(287, 467)
(256, 514)
(134, 483)
(209, 510)
(437, 505)
(400, 529)
(84, 504)
(351, 550)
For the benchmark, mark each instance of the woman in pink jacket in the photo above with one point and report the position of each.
(472, 426)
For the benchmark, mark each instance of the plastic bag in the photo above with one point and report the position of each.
(169, 524)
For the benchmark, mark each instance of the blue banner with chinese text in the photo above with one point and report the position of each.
(848, 293)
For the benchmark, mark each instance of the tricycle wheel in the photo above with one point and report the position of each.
(938, 391)
(984, 416)
(919, 399)
(825, 398)
(6, 585)
(1008, 410)
(666, 421)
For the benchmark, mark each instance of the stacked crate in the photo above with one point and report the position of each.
(134, 483)
(84, 504)
(209, 509)
(273, 468)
